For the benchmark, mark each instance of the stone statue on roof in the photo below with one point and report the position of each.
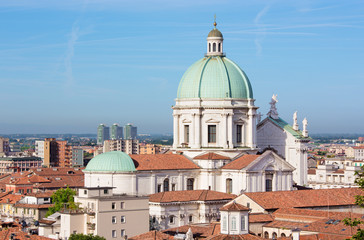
(304, 131)
(295, 124)
(273, 113)
(259, 117)
(189, 235)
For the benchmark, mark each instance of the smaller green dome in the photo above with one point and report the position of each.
(111, 162)
(215, 33)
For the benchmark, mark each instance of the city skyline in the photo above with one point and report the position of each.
(67, 66)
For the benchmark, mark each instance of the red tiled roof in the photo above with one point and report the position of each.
(359, 147)
(201, 230)
(234, 237)
(190, 195)
(40, 194)
(152, 235)
(234, 207)
(322, 236)
(311, 171)
(305, 198)
(11, 198)
(37, 206)
(260, 217)
(340, 171)
(241, 162)
(162, 162)
(211, 156)
(19, 235)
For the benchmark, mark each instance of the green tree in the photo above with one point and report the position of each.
(359, 200)
(81, 236)
(62, 198)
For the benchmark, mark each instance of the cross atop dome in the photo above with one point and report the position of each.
(214, 41)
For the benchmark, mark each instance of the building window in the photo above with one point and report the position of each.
(214, 47)
(122, 205)
(113, 233)
(229, 185)
(238, 133)
(209, 47)
(173, 187)
(219, 47)
(166, 185)
(122, 219)
(187, 133)
(266, 235)
(190, 182)
(113, 205)
(84, 191)
(233, 223)
(283, 235)
(212, 133)
(113, 219)
(106, 191)
(269, 182)
(159, 188)
(190, 218)
(242, 223)
(122, 232)
(171, 219)
(274, 236)
(224, 223)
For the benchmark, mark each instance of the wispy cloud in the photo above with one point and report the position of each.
(262, 31)
(317, 9)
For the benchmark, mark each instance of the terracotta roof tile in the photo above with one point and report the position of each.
(19, 234)
(152, 235)
(311, 171)
(241, 162)
(162, 162)
(305, 198)
(199, 230)
(233, 206)
(190, 195)
(36, 206)
(234, 237)
(260, 217)
(340, 171)
(211, 156)
(11, 198)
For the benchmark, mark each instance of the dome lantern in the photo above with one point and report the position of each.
(215, 42)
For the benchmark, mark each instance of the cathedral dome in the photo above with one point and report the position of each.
(215, 33)
(111, 162)
(214, 77)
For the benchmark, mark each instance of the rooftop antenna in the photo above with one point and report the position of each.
(215, 21)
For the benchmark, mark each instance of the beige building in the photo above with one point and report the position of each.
(148, 148)
(4, 146)
(129, 146)
(107, 215)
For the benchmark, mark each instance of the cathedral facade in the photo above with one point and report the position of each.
(216, 143)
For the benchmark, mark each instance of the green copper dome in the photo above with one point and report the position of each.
(214, 77)
(111, 162)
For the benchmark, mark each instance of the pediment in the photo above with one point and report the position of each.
(269, 161)
(239, 120)
(186, 120)
(211, 120)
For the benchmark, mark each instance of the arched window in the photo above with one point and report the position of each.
(190, 182)
(219, 47)
(214, 47)
(233, 223)
(229, 185)
(171, 219)
(268, 182)
(224, 224)
(274, 236)
(266, 235)
(209, 47)
(166, 185)
(283, 235)
(242, 223)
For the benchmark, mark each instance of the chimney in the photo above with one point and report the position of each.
(296, 234)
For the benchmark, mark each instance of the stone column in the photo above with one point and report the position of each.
(175, 130)
(251, 128)
(230, 130)
(223, 131)
(192, 132)
(198, 130)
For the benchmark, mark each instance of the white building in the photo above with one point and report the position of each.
(39, 149)
(129, 146)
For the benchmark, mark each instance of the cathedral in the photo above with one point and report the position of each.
(220, 141)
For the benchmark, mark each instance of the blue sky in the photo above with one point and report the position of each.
(68, 65)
